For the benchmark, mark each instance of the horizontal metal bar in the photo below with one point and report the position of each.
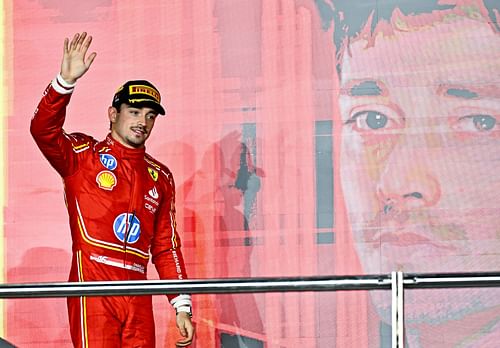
(451, 280)
(248, 285)
(195, 286)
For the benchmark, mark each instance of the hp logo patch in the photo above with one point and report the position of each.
(127, 224)
(108, 161)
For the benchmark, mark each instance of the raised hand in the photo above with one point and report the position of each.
(74, 63)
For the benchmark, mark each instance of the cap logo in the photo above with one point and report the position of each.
(142, 89)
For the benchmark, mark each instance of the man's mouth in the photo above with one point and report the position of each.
(139, 131)
(405, 238)
(407, 228)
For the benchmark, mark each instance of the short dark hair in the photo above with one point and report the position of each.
(350, 18)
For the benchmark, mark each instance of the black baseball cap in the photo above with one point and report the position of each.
(138, 93)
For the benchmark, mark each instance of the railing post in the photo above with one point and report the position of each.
(397, 307)
(401, 316)
(394, 310)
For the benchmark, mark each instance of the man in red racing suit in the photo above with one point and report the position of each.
(121, 205)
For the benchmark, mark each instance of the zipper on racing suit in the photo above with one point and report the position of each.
(127, 230)
(128, 222)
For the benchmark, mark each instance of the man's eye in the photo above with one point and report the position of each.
(369, 120)
(479, 122)
(483, 122)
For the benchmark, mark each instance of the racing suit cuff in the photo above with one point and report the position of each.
(185, 309)
(62, 86)
(182, 300)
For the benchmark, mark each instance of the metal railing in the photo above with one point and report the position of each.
(396, 281)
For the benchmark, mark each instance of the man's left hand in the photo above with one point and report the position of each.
(186, 329)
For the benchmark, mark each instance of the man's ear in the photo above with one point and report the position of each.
(112, 114)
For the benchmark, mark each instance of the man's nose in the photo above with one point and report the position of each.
(142, 119)
(409, 177)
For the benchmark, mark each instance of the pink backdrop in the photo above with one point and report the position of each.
(279, 169)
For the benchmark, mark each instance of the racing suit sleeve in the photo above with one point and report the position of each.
(166, 246)
(47, 128)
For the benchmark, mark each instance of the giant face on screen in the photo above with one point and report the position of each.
(420, 149)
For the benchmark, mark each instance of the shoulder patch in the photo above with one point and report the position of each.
(157, 168)
(79, 141)
(154, 173)
(81, 147)
(151, 163)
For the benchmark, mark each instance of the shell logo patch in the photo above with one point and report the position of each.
(153, 173)
(106, 180)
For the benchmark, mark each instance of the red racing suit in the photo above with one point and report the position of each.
(121, 206)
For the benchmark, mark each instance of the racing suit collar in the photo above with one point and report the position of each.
(123, 151)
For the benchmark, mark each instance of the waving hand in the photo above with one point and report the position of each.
(74, 64)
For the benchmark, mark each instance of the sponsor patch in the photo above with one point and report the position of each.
(150, 208)
(118, 263)
(153, 193)
(151, 200)
(153, 173)
(106, 180)
(108, 161)
(127, 226)
(141, 89)
(80, 148)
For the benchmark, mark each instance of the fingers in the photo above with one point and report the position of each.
(80, 45)
(86, 43)
(186, 341)
(85, 46)
(79, 42)
(183, 343)
(90, 59)
(186, 329)
(66, 46)
(183, 332)
(74, 42)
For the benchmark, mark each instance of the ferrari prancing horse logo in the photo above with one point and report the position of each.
(153, 173)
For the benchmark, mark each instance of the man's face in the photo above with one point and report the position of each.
(420, 156)
(131, 126)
